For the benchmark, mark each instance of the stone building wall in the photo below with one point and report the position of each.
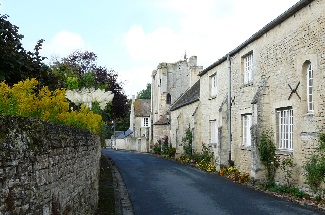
(214, 108)
(280, 56)
(183, 118)
(159, 132)
(47, 168)
(173, 79)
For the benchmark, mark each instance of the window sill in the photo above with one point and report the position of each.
(284, 152)
(247, 148)
(247, 85)
(214, 145)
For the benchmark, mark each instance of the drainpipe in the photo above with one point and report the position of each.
(229, 107)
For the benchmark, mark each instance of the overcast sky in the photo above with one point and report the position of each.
(134, 36)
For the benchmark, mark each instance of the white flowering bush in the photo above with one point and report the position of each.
(88, 96)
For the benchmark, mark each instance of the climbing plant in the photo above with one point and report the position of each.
(268, 157)
(187, 142)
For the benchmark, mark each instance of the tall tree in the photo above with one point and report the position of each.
(16, 63)
(146, 93)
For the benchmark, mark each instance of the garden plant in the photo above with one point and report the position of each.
(25, 99)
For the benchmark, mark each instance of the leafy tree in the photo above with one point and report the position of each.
(17, 64)
(146, 93)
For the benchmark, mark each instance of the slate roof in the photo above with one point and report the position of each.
(142, 107)
(291, 11)
(190, 96)
(123, 134)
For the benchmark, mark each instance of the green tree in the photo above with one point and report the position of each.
(146, 93)
(17, 64)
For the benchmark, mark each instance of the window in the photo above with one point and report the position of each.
(310, 84)
(213, 82)
(248, 68)
(213, 133)
(247, 124)
(285, 128)
(168, 99)
(145, 122)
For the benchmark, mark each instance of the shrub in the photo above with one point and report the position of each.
(172, 152)
(25, 99)
(165, 146)
(234, 174)
(315, 166)
(187, 141)
(157, 148)
(287, 165)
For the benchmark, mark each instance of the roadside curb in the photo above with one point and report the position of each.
(123, 205)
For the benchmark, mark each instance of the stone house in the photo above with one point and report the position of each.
(277, 82)
(186, 114)
(140, 124)
(169, 82)
(214, 104)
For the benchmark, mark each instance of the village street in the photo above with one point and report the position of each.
(160, 186)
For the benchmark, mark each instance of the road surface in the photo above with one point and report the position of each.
(158, 186)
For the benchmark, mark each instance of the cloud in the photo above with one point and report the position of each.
(208, 29)
(135, 79)
(64, 43)
(159, 44)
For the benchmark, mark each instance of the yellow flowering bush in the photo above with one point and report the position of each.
(184, 159)
(85, 119)
(206, 165)
(23, 99)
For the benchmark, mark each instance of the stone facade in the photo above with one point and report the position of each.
(140, 124)
(169, 82)
(214, 112)
(186, 114)
(47, 168)
(274, 80)
(281, 54)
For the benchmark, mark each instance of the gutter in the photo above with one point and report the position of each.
(229, 108)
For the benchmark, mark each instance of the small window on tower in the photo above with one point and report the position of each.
(168, 99)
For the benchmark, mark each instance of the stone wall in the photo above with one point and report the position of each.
(279, 58)
(214, 108)
(47, 168)
(183, 118)
(173, 79)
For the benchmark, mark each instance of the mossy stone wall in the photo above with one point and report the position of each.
(47, 168)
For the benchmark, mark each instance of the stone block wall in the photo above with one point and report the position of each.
(181, 120)
(215, 109)
(279, 58)
(47, 168)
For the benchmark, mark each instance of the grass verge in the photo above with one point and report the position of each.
(106, 201)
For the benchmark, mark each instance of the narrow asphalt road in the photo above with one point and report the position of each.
(161, 186)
